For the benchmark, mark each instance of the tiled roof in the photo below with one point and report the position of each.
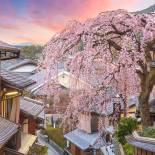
(7, 130)
(7, 46)
(22, 63)
(41, 115)
(146, 145)
(6, 64)
(15, 79)
(132, 101)
(31, 107)
(39, 77)
(84, 140)
(13, 64)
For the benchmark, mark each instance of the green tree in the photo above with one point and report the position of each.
(31, 52)
(129, 149)
(148, 132)
(125, 127)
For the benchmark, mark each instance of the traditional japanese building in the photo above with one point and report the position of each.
(142, 145)
(12, 139)
(8, 51)
(30, 115)
(85, 139)
(133, 109)
(54, 112)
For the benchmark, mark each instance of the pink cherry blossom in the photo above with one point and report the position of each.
(106, 52)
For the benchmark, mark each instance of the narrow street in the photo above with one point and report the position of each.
(51, 150)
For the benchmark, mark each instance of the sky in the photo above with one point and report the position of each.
(37, 20)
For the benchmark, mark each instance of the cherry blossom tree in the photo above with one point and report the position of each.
(111, 53)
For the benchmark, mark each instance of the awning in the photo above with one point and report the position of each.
(84, 140)
(27, 141)
(7, 130)
(31, 107)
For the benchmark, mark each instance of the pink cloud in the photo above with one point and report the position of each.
(51, 15)
(56, 13)
(8, 26)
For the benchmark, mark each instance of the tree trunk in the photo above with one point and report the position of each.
(144, 108)
(147, 83)
(125, 108)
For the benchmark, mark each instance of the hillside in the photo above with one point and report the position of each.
(148, 10)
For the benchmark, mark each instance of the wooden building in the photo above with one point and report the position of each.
(142, 145)
(30, 114)
(133, 110)
(8, 51)
(12, 140)
(85, 140)
(9, 135)
(55, 111)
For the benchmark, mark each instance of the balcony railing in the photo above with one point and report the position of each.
(5, 55)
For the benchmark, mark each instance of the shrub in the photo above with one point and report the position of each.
(129, 149)
(148, 132)
(38, 150)
(125, 127)
(56, 135)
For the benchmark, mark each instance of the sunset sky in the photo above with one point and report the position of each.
(37, 20)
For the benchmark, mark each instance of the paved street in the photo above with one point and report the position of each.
(51, 150)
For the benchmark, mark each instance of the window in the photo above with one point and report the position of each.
(9, 107)
(6, 107)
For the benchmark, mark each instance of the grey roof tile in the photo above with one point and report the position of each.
(7, 130)
(146, 145)
(6, 64)
(15, 79)
(24, 62)
(84, 140)
(31, 107)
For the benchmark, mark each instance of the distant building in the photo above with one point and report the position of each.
(31, 115)
(55, 111)
(8, 51)
(134, 111)
(85, 139)
(12, 140)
